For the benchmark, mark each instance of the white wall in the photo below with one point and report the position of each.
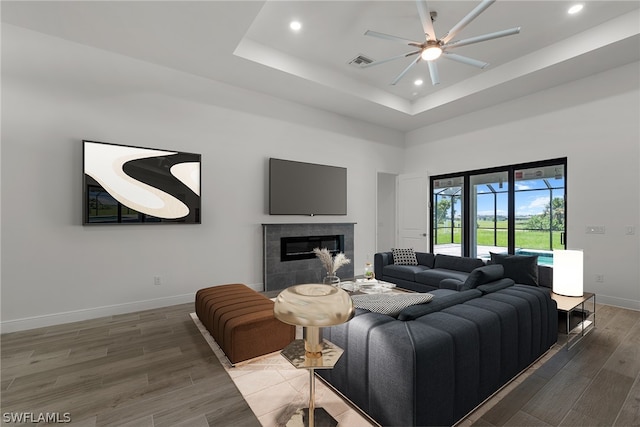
(56, 93)
(594, 122)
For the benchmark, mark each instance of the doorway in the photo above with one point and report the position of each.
(386, 212)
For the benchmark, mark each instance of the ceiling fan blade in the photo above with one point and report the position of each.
(465, 60)
(482, 38)
(425, 19)
(382, 61)
(406, 70)
(433, 72)
(466, 20)
(392, 38)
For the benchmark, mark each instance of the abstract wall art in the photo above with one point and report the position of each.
(135, 185)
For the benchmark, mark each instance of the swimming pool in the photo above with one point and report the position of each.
(544, 257)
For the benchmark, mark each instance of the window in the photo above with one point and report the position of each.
(516, 209)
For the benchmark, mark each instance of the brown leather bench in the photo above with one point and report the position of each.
(241, 321)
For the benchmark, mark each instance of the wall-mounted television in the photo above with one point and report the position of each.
(125, 184)
(298, 188)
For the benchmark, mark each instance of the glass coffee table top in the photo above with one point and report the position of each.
(367, 286)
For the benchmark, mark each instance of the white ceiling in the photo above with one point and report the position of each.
(249, 44)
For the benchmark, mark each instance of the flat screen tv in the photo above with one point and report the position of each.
(135, 185)
(297, 188)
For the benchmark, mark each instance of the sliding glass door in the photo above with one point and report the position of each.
(517, 209)
(447, 215)
(489, 214)
(540, 213)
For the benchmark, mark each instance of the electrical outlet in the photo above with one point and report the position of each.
(600, 278)
(629, 230)
(156, 280)
(594, 229)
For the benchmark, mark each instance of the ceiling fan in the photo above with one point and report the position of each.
(432, 48)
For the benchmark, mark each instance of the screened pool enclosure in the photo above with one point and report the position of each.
(518, 209)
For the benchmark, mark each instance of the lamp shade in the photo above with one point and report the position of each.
(568, 272)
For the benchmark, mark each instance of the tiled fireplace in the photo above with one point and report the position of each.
(288, 252)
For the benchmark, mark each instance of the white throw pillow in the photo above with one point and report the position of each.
(404, 257)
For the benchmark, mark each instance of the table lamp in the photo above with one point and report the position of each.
(313, 306)
(568, 272)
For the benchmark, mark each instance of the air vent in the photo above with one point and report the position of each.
(360, 61)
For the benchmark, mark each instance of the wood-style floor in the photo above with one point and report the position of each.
(151, 368)
(154, 368)
(596, 383)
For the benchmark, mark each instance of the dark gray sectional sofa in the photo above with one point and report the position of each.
(436, 362)
(433, 269)
(425, 276)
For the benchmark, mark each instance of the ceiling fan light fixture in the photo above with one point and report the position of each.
(433, 47)
(431, 53)
(575, 9)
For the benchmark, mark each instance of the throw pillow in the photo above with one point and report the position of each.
(390, 304)
(484, 275)
(523, 269)
(404, 257)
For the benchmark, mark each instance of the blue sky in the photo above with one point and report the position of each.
(527, 202)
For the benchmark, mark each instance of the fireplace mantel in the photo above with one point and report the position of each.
(280, 274)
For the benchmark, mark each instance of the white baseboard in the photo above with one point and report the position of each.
(91, 313)
(96, 312)
(618, 302)
(258, 287)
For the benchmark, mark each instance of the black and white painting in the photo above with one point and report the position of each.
(127, 184)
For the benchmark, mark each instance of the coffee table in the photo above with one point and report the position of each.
(362, 286)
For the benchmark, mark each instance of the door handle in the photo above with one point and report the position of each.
(562, 238)
(424, 234)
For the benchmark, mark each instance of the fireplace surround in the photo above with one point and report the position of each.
(288, 252)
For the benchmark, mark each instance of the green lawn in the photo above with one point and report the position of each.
(524, 238)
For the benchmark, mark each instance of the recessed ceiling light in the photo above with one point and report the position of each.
(575, 8)
(295, 25)
(418, 82)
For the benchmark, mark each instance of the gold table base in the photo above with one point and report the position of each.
(295, 353)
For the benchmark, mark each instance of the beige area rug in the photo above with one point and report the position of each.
(274, 389)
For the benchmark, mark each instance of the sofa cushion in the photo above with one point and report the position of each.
(523, 269)
(389, 303)
(483, 275)
(433, 277)
(545, 276)
(425, 258)
(453, 284)
(442, 292)
(496, 286)
(404, 256)
(438, 303)
(457, 263)
(406, 272)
